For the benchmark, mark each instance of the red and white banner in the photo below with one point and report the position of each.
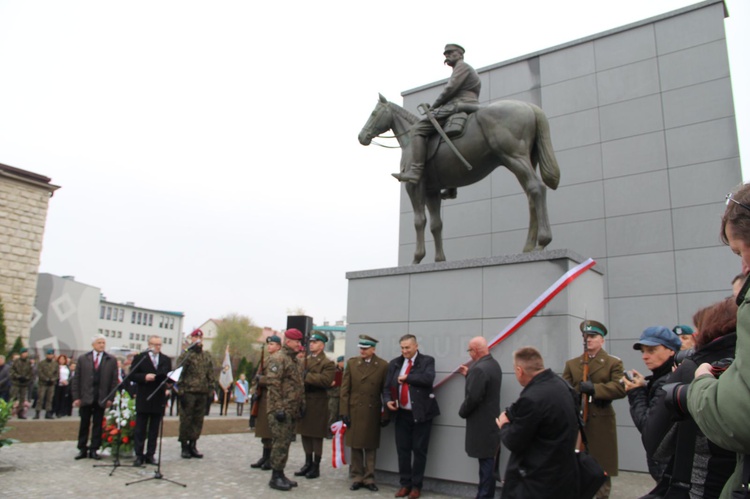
(338, 457)
(532, 309)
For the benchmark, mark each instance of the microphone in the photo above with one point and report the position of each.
(148, 350)
(193, 345)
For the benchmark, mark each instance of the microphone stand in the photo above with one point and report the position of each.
(157, 474)
(116, 456)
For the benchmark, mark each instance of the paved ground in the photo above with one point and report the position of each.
(47, 469)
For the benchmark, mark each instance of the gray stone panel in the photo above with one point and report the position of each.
(640, 233)
(467, 247)
(629, 316)
(633, 117)
(512, 241)
(379, 300)
(575, 130)
(534, 96)
(576, 203)
(702, 142)
(449, 295)
(466, 219)
(625, 48)
(567, 63)
(628, 82)
(689, 303)
(509, 213)
(694, 65)
(690, 29)
(705, 269)
(638, 154)
(513, 79)
(703, 183)
(697, 226)
(579, 165)
(632, 454)
(697, 103)
(641, 275)
(570, 96)
(503, 183)
(503, 297)
(651, 190)
(631, 359)
(585, 238)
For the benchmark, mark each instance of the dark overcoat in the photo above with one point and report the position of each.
(142, 365)
(605, 371)
(82, 384)
(481, 406)
(541, 437)
(320, 373)
(420, 380)
(361, 400)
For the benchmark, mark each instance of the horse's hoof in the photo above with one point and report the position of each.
(440, 258)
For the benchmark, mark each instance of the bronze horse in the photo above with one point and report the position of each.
(510, 133)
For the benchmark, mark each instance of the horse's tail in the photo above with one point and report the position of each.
(548, 166)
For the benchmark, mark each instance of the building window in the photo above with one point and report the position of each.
(122, 314)
(101, 312)
(171, 323)
(131, 336)
(150, 319)
(119, 334)
(161, 321)
(138, 321)
(132, 319)
(109, 313)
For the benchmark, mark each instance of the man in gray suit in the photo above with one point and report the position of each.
(95, 380)
(480, 408)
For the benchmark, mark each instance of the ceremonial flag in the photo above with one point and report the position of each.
(226, 378)
(338, 457)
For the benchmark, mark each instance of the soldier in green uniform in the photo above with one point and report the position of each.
(48, 372)
(262, 428)
(286, 403)
(362, 410)
(603, 386)
(196, 383)
(318, 376)
(21, 375)
(334, 395)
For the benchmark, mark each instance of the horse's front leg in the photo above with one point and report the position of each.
(416, 195)
(436, 224)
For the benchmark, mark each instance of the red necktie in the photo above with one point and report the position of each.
(96, 362)
(405, 387)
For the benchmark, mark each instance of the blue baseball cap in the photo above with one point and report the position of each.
(659, 335)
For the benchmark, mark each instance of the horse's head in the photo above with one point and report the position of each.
(381, 120)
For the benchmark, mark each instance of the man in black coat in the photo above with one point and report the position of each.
(408, 390)
(93, 390)
(149, 370)
(540, 429)
(480, 407)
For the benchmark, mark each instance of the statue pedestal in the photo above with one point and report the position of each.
(445, 305)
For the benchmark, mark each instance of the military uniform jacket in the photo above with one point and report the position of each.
(262, 429)
(21, 372)
(464, 86)
(320, 373)
(197, 372)
(48, 372)
(286, 392)
(605, 371)
(361, 400)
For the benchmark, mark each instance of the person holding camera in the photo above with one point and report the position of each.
(720, 406)
(658, 345)
(698, 468)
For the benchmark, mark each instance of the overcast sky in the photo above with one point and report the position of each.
(207, 150)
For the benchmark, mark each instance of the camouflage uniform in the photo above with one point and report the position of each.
(21, 375)
(49, 373)
(196, 382)
(286, 394)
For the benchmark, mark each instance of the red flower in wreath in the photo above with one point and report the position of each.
(132, 424)
(109, 440)
(125, 440)
(114, 432)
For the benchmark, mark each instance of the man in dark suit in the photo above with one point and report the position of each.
(149, 370)
(408, 390)
(480, 408)
(93, 390)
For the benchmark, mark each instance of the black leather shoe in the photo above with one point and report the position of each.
(138, 461)
(82, 455)
(371, 487)
(150, 460)
(356, 486)
(94, 455)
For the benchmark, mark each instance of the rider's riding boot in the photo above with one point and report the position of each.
(418, 153)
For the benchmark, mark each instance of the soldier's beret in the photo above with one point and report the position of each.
(454, 46)
(50, 351)
(593, 327)
(294, 334)
(273, 339)
(24, 349)
(319, 337)
(197, 333)
(367, 341)
(680, 329)
(340, 358)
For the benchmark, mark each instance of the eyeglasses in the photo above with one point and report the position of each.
(730, 197)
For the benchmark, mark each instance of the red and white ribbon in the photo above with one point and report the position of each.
(338, 457)
(533, 308)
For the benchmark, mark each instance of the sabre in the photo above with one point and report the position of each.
(425, 109)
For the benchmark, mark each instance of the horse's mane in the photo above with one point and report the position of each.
(403, 113)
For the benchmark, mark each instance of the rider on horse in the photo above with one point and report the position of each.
(461, 94)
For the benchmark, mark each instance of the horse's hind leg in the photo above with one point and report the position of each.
(540, 234)
(436, 223)
(417, 197)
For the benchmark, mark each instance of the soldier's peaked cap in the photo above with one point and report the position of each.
(367, 341)
(454, 46)
(593, 327)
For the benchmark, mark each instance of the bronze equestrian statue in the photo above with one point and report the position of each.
(510, 133)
